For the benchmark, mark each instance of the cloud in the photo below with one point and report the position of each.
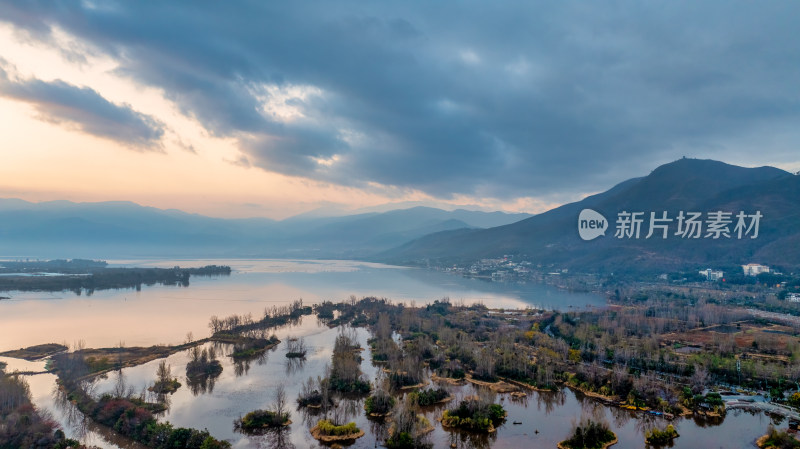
(240, 161)
(86, 110)
(509, 100)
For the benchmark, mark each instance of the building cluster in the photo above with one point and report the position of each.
(498, 269)
(712, 275)
(754, 269)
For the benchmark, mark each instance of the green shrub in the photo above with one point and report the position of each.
(474, 415)
(380, 403)
(328, 428)
(261, 419)
(656, 436)
(780, 440)
(401, 440)
(590, 435)
(355, 386)
(431, 396)
(133, 418)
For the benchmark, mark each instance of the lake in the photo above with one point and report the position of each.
(160, 314)
(165, 314)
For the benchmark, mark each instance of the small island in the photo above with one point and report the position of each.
(314, 394)
(590, 435)
(89, 275)
(431, 396)
(204, 363)
(165, 383)
(245, 348)
(474, 414)
(328, 432)
(345, 373)
(296, 348)
(379, 404)
(262, 420)
(778, 440)
(409, 429)
(661, 437)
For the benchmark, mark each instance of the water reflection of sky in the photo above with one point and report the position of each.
(238, 391)
(244, 387)
(160, 314)
(165, 314)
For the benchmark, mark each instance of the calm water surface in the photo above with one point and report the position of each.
(165, 314)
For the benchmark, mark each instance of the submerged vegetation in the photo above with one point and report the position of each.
(129, 415)
(262, 419)
(204, 363)
(21, 425)
(250, 347)
(620, 354)
(409, 429)
(380, 403)
(259, 420)
(475, 414)
(661, 437)
(328, 432)
(165, 383)
(589, 434)
(133, 418)
(345, 374)
(315, 393)
(430, 396)
(634, 357)
(247, 326)
(778, 440)
(328, 428)
(296, 347)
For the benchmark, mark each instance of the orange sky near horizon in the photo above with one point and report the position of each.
(191, 170)
(44, 161)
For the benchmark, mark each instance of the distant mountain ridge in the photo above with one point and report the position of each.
(124, 229)
(552, 239)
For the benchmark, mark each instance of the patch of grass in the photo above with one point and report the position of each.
(261, 419)
(328, 428)
(657, 436)
(589, 435)
(474, 415)
(779, 440)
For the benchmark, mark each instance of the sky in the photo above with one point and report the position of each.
(253, 108)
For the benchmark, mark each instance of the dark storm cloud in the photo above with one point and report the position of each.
(508, 98)
(84, 108)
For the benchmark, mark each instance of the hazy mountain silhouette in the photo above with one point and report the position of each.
(125, 229)
(552, 239)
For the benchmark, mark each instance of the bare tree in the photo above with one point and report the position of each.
(699, 379)
(279, 401)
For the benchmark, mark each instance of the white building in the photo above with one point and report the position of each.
(754, 269)
(712, 275)
(793, 297)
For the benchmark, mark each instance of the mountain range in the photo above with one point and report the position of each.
(551, 239)
(425, 236)
(125, 229)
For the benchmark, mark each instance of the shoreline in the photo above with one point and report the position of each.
(561, 444)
